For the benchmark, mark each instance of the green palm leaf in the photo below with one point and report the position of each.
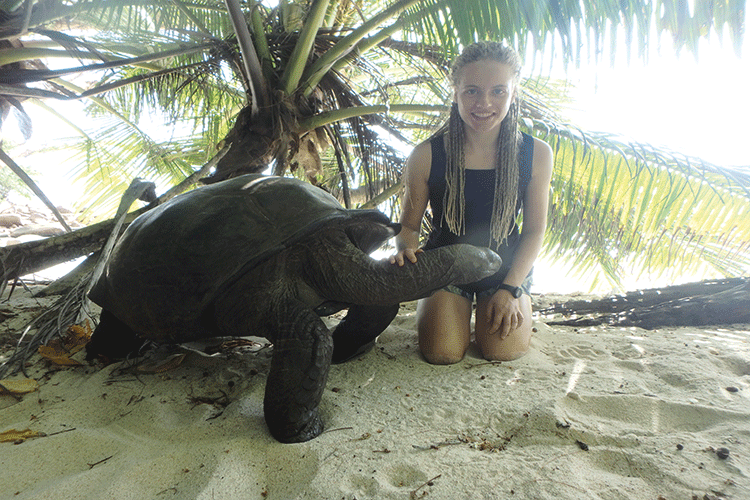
(368, 78)
(617, 203)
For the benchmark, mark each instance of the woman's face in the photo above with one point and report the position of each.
(484, 94)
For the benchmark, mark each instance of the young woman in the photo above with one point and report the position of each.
(478, 173)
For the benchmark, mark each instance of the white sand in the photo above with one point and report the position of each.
(399, 428)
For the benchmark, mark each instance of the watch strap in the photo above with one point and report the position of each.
(514, 290)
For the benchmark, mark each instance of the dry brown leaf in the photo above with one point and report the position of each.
(78, 336)
(60, 350)
(14, 436)
(57, 355)
(20, 386)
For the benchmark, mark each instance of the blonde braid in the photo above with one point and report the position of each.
(506, 178)
(455, 174)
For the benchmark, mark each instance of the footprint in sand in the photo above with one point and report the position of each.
(620, 415)
(578, 352)
(363, 486)
(405, 476)
(391, 479)
(736, 364)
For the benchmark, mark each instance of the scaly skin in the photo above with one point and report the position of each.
(280, 250)
(299, 369)
(293, 285)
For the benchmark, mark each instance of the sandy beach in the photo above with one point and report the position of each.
(589, 413)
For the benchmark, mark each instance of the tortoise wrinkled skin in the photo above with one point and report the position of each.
(267, 256)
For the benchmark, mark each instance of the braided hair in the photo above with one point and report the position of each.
(506, 166)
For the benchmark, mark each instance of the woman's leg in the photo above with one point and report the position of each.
(515, 345)
(444, 327)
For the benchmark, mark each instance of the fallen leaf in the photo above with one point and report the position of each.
(20, 386)
(13, 436)
(60, 350)
(77, 337)
(57, 355)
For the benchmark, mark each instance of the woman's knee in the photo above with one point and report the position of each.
(443, 325)
(443, 345)
(504, 355)
(440, 355)
(512, 347)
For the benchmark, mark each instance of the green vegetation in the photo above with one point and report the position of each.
(327, 90)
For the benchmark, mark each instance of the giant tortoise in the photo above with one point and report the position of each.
(267, 256)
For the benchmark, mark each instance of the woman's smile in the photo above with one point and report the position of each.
(484, 94)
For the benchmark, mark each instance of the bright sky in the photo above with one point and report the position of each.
(698, 107)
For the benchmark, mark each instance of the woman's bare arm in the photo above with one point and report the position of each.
(416, 196)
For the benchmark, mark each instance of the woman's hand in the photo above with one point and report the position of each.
(402, 256)
(503, 313)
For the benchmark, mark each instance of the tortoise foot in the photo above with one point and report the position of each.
(342, 357)
(113, 339)
(296, 432)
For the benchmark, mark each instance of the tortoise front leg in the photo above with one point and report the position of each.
(113, 339)
(355, 334)
(302, 349)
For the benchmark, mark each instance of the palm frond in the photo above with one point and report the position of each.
(372, 84)
(618, 203)
(574, 29)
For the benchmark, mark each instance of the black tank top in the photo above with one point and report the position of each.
(479, 197)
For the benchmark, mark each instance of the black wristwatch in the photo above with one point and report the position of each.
(514, 290)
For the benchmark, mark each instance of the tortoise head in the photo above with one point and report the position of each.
(369, 229)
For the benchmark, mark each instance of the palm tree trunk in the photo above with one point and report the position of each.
(718, 302)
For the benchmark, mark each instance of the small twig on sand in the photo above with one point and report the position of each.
(64, 430)
(91, 466)
(339, 429)
(413, 494)
(387, 355)
(438, 445)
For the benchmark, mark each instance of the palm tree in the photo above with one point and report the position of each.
(327, 89)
